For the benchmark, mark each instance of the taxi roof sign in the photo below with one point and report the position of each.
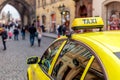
(87, 23)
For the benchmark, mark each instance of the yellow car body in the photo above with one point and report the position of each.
(105, 48)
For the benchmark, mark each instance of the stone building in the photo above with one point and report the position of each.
(26, 9)
(54, 12)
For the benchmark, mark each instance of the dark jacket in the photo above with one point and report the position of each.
(15, 32)
(4, 35)
(60, 29)
(23, 30)
(32, 30)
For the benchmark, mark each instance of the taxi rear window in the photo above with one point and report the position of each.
(117, 54)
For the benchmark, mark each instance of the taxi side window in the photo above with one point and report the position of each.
(73, 61)
(49, 54)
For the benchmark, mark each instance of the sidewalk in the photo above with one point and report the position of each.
(51, 35)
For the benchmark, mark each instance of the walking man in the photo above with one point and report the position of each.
(4, 38)
(60, 30)
(64, 29)
(16, 33)
(23, 32)
(32, 31)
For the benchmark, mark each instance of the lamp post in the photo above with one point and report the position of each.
(61, 8)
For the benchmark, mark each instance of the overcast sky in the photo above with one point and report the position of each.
(12, 10)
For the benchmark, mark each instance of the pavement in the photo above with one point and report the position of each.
(50, 35)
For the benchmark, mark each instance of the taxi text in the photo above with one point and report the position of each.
(90, 21)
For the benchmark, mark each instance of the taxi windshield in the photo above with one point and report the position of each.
(117, 54)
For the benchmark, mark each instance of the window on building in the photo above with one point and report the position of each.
(43, 2)
(38, 3)
(44, 19)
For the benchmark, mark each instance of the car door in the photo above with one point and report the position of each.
(77, 62)
(48, 59)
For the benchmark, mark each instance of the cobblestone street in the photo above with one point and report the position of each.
(13, 61)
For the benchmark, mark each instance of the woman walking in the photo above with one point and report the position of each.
(39, 35)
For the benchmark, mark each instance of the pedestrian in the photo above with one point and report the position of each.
(10, 34)
(57, 30)
(39, 35)
(43, 28)
(32, 31)
(4, 38)
(64, 29)
(23, 32)
(113, 25)
(16, 33)
(60, 30)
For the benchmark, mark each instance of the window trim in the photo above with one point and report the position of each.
(59, 54)
(54, 56)
(87, 67)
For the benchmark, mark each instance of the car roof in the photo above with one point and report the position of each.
(110, 39)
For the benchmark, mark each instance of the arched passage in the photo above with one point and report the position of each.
(110, 12)
(9, 14)
(26, 11)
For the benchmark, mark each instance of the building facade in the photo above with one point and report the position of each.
(50, 14)
(55, 12)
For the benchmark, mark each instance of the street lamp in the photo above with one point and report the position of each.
(61, 8)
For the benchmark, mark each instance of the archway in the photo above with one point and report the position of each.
(10, 15)
(25, 10)
(111, 8)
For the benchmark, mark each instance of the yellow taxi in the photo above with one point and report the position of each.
(80, 56)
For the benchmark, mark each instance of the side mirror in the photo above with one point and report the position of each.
(33, 60)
